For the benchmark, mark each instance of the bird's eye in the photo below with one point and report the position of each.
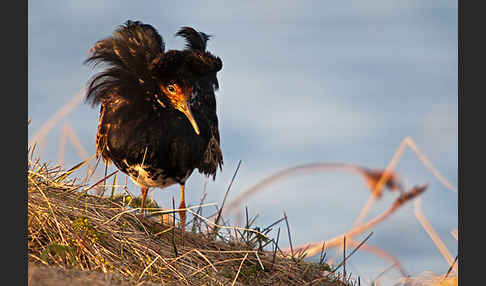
(171, 88)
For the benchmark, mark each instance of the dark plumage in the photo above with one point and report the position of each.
(158, 117)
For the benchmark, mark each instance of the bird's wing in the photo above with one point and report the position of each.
(213, 157)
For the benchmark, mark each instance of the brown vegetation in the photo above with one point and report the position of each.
(92, 240)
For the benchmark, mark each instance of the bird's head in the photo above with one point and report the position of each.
(177, 95)
(140, 69)
(180, 71)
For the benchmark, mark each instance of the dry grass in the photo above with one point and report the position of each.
(377, 181)
(429, 279)
(78, 238)
(99, 240)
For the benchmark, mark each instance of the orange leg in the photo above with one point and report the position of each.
(182, 213)
(144, 191)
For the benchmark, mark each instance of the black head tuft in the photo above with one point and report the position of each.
(194, 61)
(194, 40)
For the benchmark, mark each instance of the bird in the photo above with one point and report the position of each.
(158, 120)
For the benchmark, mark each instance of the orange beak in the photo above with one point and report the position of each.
(183, 107)
(180, 100)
